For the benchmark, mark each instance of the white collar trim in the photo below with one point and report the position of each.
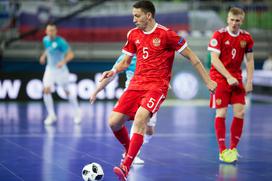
(232, 34)
(151, 31)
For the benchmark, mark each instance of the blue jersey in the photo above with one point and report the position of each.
(55, 50)
(130, 70)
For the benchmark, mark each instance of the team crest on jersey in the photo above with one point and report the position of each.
(54, 45)
(218, 101)
(243, 43)
(156, 42)
(213, 42)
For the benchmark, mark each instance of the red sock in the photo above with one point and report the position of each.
(236, 131)
(220, 131)
(122, 136)
(135, 145)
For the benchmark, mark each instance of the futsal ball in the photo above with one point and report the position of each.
(92, 172)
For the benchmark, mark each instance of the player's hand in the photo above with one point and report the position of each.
(107, 74)
(232, 81)
(61, 63)
(93, 97)
(248, 87)
(212, 86)
(42, 60)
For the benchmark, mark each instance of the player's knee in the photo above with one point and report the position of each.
(47, 90)
(114, 123)
(222, 112)
(239, 113)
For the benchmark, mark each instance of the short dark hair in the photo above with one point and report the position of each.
(146, 6)
(50, 23)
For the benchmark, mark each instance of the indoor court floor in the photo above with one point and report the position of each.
(183, 148)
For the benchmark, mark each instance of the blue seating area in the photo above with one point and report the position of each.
(98, 29)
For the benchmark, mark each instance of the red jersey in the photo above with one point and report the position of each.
(232, 48)
(155, 51)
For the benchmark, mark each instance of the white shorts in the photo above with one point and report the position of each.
(153, 120)
(55, 76)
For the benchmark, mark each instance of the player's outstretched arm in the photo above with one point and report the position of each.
(121, 66)
(42, 58)
(250, 70)
(100, 87)
(188, 53)
(67, 58)
(218, 65)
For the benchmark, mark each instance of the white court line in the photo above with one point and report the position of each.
(86, 154)
(41, 158)
(10, 171)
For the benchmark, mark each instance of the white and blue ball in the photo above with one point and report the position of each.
(92, 172)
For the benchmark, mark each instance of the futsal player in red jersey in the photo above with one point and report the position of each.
(154, 46)
(228, 47)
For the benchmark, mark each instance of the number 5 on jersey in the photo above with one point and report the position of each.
(151, 103)
(145, 52)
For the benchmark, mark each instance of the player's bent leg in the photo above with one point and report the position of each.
(150, 129)
(148, 135)
(116, 123)
(141, 118)
(137, 160)
(117, 120)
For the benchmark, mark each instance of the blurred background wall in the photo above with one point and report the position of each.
(96, 31)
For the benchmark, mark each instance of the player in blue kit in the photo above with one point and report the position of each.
(129, 74)
(56, 55)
